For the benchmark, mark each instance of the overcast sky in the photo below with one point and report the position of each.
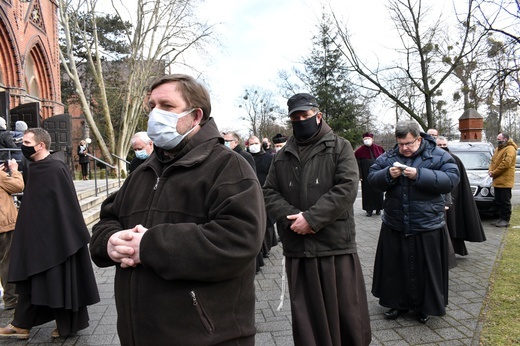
(261, 37)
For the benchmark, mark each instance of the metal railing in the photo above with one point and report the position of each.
(10, 150)
(106, 172)
(126, 168)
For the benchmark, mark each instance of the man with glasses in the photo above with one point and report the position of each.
(433, 132)
(232, 141)
(310, 190)
(411, 264)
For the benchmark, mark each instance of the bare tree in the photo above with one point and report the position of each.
(501, 17)
(428, 60)
(261, 111)
(161, 32)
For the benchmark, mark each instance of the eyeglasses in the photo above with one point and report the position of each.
(408, 144)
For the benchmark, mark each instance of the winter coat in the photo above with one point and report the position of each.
(502, 167)
(6, 141)
(246, 155)
(413, 206)
(17, 140)
(205, 216)
(262, 163)
(324, 188)
(82, 154)
(9, 184)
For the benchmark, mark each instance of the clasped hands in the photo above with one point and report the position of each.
(409, 172)
(299, 224)
(123, 246)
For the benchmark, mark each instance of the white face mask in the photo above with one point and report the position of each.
(254, 148)
(367, 142)
(162, 128)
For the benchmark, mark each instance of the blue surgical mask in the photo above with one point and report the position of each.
(162, 128)
(141, 154)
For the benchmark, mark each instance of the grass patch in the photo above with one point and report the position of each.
(502, 314)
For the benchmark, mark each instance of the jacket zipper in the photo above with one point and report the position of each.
(156, 184)
(202, 315)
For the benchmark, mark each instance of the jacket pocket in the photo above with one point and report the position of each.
(206, 322)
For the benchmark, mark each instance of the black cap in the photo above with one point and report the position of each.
(301, 102)
(279, 138)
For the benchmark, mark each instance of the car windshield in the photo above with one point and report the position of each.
(474, 159)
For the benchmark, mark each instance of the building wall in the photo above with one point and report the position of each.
(29, 54)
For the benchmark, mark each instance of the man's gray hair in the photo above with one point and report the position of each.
(442, 138)
(142, 136)
(408, 126)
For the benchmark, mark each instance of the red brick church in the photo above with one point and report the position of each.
(30, 71)
(29, 56)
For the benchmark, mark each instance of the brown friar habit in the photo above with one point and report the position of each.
(462, 218)
(50, 262)
(325, 279)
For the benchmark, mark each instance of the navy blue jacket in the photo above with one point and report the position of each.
(414, 206)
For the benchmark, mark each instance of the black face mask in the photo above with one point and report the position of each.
(305, 129)
(445, 148)
(265, 146)
(28, 151)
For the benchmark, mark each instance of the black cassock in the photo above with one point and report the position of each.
(372, 199)
(50, 262)
(462, 218)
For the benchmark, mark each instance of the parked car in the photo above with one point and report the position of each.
(476, 157)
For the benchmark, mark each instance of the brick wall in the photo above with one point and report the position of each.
(29, 54)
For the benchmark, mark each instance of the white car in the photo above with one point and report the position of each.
(476, 157)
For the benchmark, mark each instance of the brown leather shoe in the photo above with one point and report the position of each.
(55, 333)
(11, 331)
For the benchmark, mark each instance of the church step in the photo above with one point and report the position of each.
(85, 189)
(90, 203)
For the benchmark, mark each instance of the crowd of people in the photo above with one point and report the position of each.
(199, 212)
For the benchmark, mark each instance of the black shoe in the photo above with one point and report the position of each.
(423, 318)
(392, 314)
(369, 213)
(266, 255)
(495, 222)
(502, 223)
(378, 212)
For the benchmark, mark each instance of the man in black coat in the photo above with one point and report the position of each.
(232, 141)
(262, 162)
(462, 218)
(50, 262)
